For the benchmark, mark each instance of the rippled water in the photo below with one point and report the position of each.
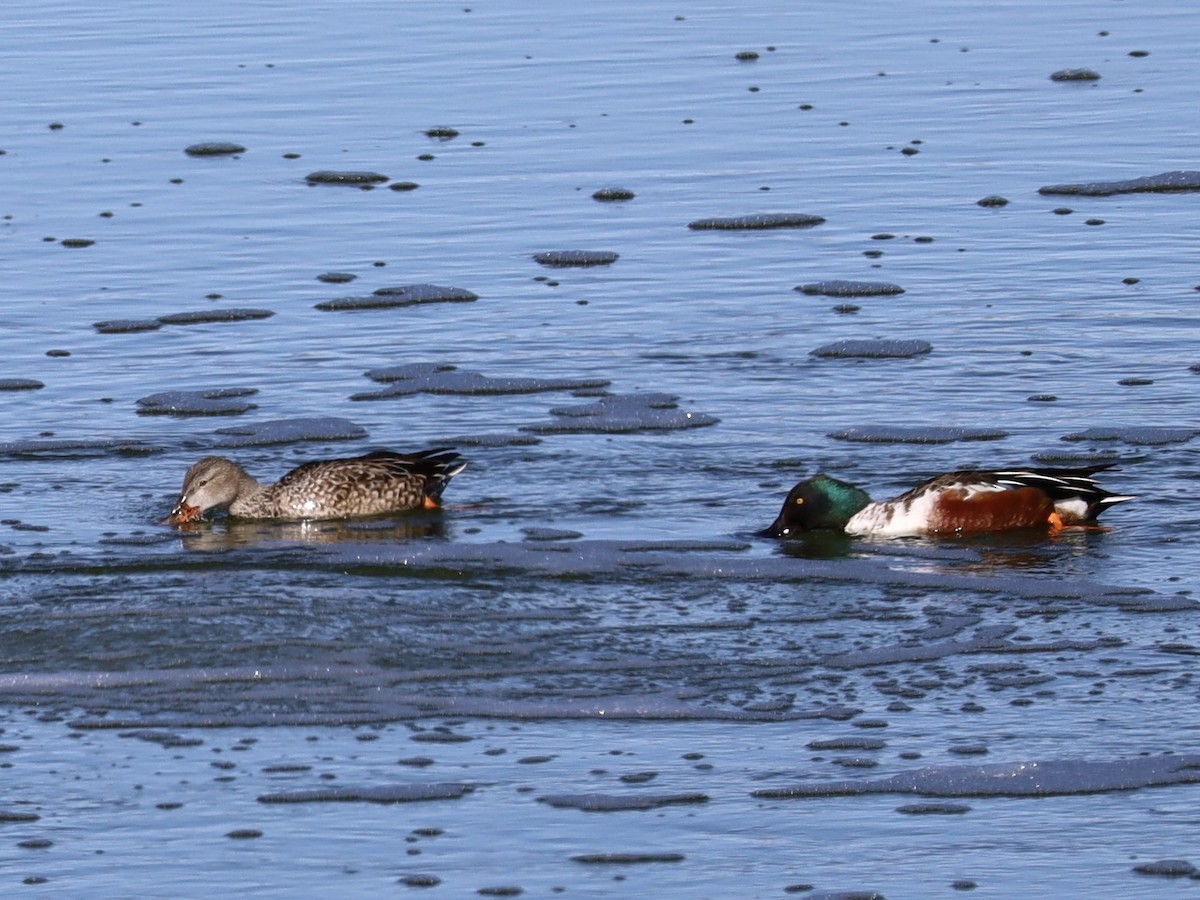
(593, 614)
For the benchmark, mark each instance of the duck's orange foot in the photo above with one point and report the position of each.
(1058, 526)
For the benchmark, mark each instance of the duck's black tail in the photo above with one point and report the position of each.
(436, 466)
(1075, 493)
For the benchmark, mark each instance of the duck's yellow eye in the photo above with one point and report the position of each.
(799, 501)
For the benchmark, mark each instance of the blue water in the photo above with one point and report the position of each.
(602, 590)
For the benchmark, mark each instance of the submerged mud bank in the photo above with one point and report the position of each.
(560, 628)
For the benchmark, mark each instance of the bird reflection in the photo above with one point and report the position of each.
(1036, 552)
(1030, 550)
(822, 544)
(229, 534)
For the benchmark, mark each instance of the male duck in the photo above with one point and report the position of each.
(955, 503)
(375, 484)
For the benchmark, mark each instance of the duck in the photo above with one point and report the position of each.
(971, 501)
(374, 484)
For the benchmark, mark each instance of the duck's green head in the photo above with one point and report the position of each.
(820, 502)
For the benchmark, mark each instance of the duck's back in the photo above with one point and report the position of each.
(375, 484)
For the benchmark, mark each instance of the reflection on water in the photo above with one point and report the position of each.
(237, 534)
(1032, 550)
(819, 544)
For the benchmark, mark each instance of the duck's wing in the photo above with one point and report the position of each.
(976, 500)
(1076, 494)
(964, 484)
(439, 464)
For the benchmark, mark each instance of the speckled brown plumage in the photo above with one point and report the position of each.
(375, 484)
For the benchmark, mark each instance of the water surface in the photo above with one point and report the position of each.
(594, 592)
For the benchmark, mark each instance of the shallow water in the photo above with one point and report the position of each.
(117, 806)
(595, 583)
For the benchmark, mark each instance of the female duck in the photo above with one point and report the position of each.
(956, 503)
(375, 484)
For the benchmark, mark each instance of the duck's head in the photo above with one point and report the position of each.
(819, 502)
(212, 483)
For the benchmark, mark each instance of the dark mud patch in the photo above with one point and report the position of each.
(564, 259)
(838, 288)
(347, 178)
(872, 349)
(166, 739)
(214, 148)
(1148, 435)
(1075, 75)
(421, 880)
(1031, 779)
(1166, 868)
(847, 744)
(1164, 183)
(287, 431)
(623, 413)
(73, 447)
(613, 195)
(405, 295)
(208, 316)
(127, 326)
(933, 809)
(244, 834)
(215, 402)
(619, 802)
(536, 533)
(758, 222)
(915, 434)
(9, 816)
(432, 378)
(440, 736)
(394, 793)
(627, 859)
(498, 439)
(417, 762)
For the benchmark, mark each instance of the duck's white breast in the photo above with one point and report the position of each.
(893, 518)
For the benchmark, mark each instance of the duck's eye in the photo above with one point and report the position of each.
(799, 501)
